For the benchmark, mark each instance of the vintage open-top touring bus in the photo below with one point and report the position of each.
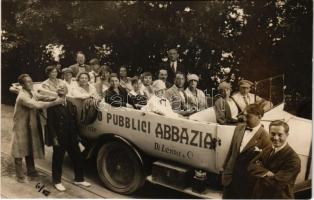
(132, 146)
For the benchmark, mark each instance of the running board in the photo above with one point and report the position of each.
(208, 194)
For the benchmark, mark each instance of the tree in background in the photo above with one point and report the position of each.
(219, 40)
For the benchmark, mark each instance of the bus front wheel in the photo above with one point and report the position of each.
(119, 168)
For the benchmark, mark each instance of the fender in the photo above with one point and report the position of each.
(106, 137)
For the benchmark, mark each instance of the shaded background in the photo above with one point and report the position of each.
(215, 39)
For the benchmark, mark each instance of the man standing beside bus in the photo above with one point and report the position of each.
(27, 140)
(277, 167)
(248, 139)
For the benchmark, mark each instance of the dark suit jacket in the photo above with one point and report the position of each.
(117, 100)
(75, 68)
(285, 165)
(235, 176)
(62, 124)
(171, 73)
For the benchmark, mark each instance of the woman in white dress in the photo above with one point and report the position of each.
(84, 89)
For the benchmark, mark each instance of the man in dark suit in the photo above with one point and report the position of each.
(172, 65)
(63, 130)
(80, 66)
(247, 140)
(277, 167)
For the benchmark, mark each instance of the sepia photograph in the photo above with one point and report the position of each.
(156, 99)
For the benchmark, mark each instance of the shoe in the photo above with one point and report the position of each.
(33, 174)
(83, 183)
(60, 187)
(20, 179)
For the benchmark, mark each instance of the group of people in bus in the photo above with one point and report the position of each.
(174, 93)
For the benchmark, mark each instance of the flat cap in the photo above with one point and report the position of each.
(67, 70)
(158, 85)
(192, 77)
(245, 83)
(224, 85)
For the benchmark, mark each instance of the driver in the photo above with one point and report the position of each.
(243, 98)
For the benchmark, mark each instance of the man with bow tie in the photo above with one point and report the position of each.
(63, 131)
(277, 167)
(247, 138)
(172, 65)
(80, 66)
(158, 102)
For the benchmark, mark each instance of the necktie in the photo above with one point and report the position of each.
(172, 66)
(272, 153)
(245, 100)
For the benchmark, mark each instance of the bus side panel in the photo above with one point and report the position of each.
(181, 140)
(224, 135)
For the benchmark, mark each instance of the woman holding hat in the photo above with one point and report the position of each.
(225, 108)
(158, 102)
(196, 99)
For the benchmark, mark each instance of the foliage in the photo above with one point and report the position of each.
(216, 39)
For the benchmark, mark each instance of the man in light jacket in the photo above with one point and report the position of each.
(27, 140)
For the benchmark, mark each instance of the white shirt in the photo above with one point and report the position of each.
(233, 108)
(173, 65)
(248, 136)
(79, 92)
(71, 85)
(160, 106)
(250, 98)
(279, 148)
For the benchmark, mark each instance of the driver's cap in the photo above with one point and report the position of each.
(245, 83)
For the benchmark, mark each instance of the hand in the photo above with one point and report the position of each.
(269, 173)
(59, 100)
(241, 118)
(55, 142)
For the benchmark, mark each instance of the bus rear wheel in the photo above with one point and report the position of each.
(119, 168)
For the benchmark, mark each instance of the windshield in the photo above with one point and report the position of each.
(271, 89)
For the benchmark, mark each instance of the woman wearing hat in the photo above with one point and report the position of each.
(196, 99)
(158, 102)
(70, 82)
(225, 108)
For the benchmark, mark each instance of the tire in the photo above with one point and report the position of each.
(119, 168)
